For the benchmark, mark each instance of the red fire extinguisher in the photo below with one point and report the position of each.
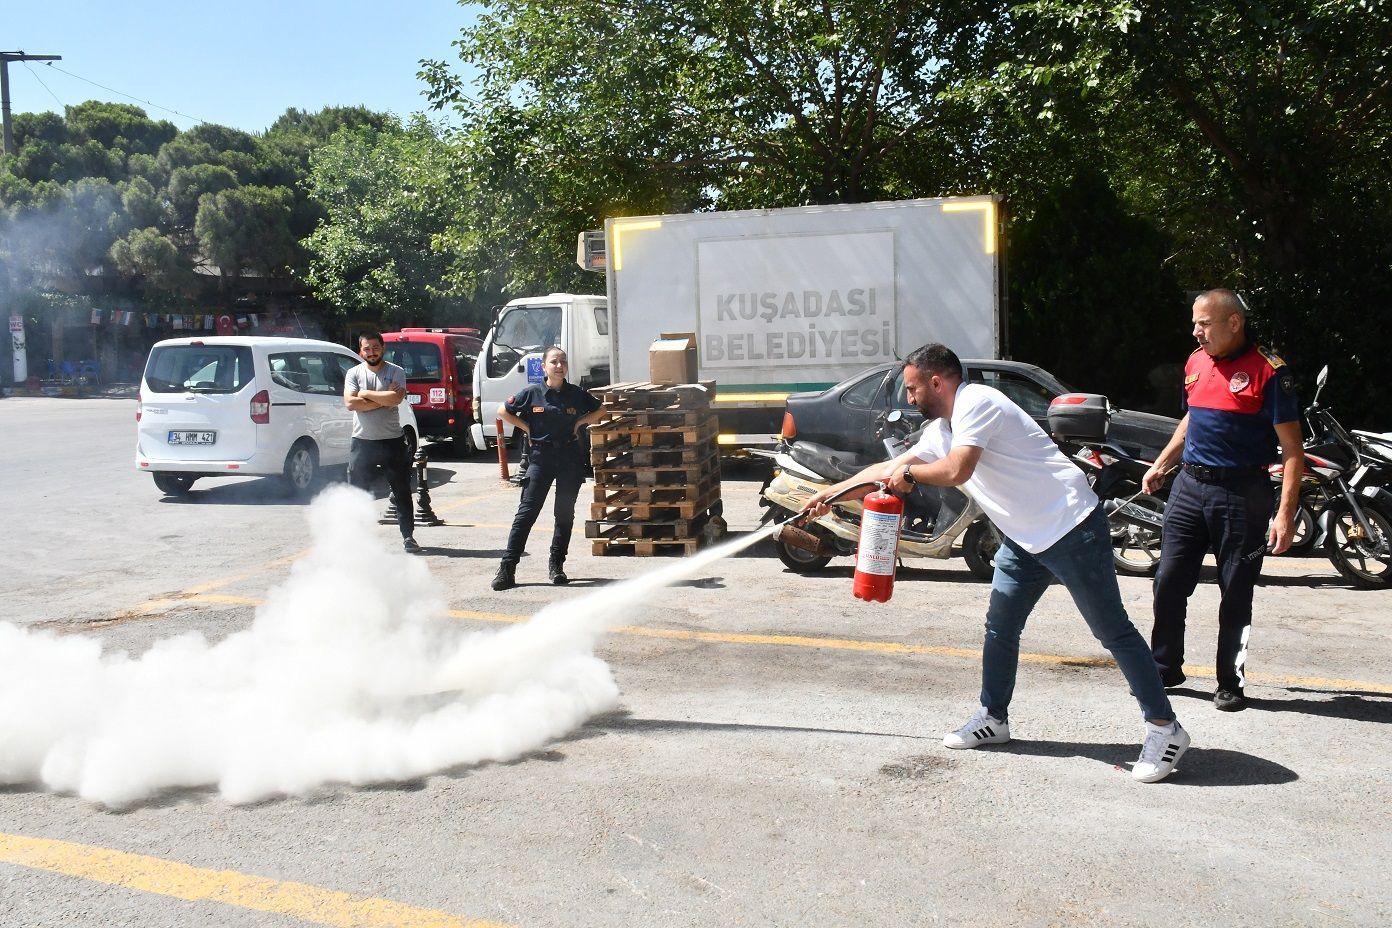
(876, 556)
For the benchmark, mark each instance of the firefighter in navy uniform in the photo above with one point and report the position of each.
(551, 414)
(1240, 405)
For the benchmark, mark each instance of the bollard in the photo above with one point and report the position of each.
(424, 514)
(502, 451)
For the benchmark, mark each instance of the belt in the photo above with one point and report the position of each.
(1207, 474)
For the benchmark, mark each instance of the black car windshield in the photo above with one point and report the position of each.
(420, 360)
(198, 369)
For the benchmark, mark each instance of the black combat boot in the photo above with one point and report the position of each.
(506, 577)
(556, 569)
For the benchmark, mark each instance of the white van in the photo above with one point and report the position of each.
(511, 354)
(242, 406)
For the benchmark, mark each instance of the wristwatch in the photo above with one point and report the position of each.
(908, 476)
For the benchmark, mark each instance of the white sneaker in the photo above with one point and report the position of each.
(981, 728)
(1160, 753)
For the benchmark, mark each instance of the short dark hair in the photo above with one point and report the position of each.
(371, 335)
(936, 359)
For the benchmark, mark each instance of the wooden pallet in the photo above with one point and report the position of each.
(633, 530)
(620, 435)
(623, 456)
(645, 548)
(619, 417)
(692, 477)
(658, 396)
(651, 503)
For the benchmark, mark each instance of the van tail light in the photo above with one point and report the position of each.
(139, 408)
(789, 427)
(261, 408)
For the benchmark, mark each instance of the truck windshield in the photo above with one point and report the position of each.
(198, 369)
(520, 331)
(420, 361)
(530, 327)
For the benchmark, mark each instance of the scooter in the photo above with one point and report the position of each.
(935, 518)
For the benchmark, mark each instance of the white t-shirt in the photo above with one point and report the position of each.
(1022, 481)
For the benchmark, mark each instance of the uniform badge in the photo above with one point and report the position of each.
(1191, 379)
(570, 410)
(1239, 382)
(1287, 383)
(538, 409)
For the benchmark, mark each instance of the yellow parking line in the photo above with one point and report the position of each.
(312, 904)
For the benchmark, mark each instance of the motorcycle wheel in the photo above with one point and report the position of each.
(979, 545)
(1136, 548)
(1365, 561)
(1306, 532)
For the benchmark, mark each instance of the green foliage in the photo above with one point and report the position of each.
(247, 228)
(388, 205)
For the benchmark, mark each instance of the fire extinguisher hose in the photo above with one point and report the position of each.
(799, 517)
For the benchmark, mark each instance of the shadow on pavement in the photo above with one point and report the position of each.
(623, 721)
(1199, 766)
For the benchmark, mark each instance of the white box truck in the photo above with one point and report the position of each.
(780, 300)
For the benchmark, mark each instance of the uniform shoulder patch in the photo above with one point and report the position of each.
(1271, 358)
(1192, 378)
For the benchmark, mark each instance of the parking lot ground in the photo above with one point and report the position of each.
(775, 758)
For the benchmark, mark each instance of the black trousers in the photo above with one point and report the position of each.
(368, 457)
(1231, 519)
(567, 472)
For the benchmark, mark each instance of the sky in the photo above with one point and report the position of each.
(240, 64)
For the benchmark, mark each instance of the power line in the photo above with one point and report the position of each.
(42, 84)
(126, 95)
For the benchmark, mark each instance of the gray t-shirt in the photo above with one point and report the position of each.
(375, 424)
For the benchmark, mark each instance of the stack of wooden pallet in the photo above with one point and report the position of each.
(657, 470)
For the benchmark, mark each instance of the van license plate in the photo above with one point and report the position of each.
(192, 438)
(414, 399)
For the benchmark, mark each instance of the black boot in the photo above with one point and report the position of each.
(556, 569)
(506, 577)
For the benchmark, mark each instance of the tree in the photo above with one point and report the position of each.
(247, 228)
(1262, 148)
(385, 197)
(588, 110)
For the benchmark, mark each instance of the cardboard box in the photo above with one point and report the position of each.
(672, 358)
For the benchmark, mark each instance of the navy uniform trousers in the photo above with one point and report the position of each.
(1231, 518)
(563, 465)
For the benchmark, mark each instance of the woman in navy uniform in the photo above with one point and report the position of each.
(551, 414)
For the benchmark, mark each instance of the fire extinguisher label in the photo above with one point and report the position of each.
(879, 537)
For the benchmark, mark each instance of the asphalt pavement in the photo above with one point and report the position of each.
(775, 757)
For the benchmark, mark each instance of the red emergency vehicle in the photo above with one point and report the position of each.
(439, 365)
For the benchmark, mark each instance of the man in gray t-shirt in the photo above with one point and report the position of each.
(373, 390)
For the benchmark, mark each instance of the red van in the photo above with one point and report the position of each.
(439, 365)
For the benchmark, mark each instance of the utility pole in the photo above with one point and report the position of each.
(5, 59)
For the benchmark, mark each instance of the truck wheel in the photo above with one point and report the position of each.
(174, 484)
(301, 468)
(979, 545)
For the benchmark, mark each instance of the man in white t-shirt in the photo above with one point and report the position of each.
(1052, 529)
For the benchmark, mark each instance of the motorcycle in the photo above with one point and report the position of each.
(935, 518)
(1352, 473)
(1078, 423)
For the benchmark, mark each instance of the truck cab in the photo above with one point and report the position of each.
(511, 354)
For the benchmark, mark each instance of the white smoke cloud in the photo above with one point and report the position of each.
(351, 672)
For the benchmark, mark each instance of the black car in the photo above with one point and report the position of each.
(846, 417)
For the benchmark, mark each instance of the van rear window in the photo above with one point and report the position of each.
(420, 360)
(199, 369)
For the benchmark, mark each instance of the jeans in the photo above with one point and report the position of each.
(368, 456)
(542, 471)
(1082, 562)
(1231, 518)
